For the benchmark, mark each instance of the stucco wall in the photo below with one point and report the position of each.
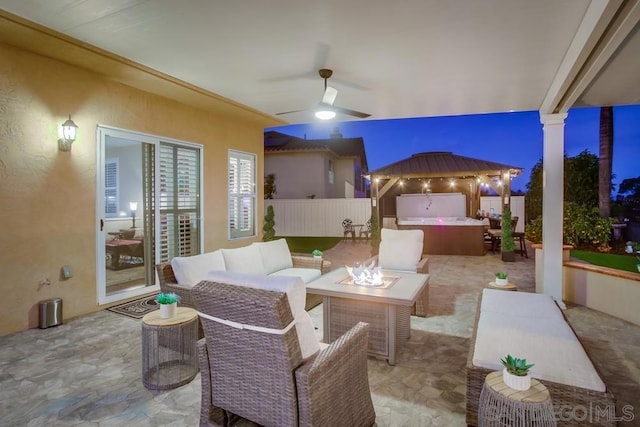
(48, 197)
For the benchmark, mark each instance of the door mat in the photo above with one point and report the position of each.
(137, 308)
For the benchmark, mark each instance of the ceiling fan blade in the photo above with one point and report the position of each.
(292, 111)
(330, 94)
(351, 112)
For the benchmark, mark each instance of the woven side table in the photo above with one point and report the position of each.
(169, 357)
(503, 406)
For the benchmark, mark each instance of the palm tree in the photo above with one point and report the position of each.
(606, 160)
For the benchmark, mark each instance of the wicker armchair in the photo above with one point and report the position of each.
(261, 376)
(168, 282)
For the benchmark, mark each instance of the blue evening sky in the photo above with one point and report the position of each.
(510, 138)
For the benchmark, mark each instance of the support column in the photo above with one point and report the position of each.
(552, 204)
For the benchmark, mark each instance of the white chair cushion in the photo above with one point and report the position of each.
(296, 294)
(397, 254)
(391, 234)
(275, 255)
(246, 259)
(306, 274)
(192, 269)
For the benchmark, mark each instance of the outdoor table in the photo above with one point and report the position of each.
(501, 405)
(169, 357)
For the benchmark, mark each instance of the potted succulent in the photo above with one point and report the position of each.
(168, 304)
(516, 373)
(317, 253)
(502, 278)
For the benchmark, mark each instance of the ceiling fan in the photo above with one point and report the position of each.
(325, 109)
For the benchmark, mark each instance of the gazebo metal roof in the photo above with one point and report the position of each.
(443, 164)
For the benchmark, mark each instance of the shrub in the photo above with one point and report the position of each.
(269, 232)
(508, 244)
(582, 227)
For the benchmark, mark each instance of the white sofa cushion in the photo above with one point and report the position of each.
(246, 259)
(306, 274)
(296, 294)
(275, 255)
(192, 269)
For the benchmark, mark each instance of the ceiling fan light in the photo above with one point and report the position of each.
(325, 114)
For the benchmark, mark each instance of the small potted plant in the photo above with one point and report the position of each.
(502, 278)
(317, 253)
(168, 304)
(516, 373)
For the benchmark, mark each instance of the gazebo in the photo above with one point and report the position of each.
(439, 172)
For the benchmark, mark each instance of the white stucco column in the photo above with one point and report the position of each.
(552, 204)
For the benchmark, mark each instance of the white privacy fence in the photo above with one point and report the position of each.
(323, 217)
(317, 217)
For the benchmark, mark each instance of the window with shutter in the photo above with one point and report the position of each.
(179, 202)
(242, 194)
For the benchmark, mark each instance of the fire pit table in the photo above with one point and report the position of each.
(386, 308)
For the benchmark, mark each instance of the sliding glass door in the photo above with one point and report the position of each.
(148, 209)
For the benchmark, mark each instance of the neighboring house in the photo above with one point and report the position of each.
(317, 168)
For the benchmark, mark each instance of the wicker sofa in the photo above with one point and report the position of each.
(532, 326)
(260, 258)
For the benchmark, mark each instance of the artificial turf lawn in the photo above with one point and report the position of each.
(307, 244)
(619, 262)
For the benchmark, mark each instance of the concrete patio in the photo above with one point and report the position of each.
(87, 371)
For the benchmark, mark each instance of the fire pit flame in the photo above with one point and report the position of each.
(366, 276)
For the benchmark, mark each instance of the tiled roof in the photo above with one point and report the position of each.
(341, 147)
(442, 164)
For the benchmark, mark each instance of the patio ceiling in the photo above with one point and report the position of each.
(413, 58)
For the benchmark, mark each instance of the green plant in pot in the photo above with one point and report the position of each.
(502, 278)
(317, 253)
(516, 373)
(507, 242)
(168, 303)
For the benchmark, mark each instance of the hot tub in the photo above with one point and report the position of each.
(447, 235)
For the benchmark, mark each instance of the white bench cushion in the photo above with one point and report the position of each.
(522, 304)
(296, 294)
(546, 341)
(275, 255)
(400, 249)
(192, 269)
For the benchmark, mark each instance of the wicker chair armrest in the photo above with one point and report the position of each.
(300, 261)
(333, 386)
(423, 265)
(184, 292)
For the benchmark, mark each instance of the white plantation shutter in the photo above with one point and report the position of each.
(111, 188)
(179, 201)
(242, 194)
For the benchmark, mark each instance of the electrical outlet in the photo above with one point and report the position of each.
(67, 271)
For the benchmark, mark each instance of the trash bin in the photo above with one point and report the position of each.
(50, 313)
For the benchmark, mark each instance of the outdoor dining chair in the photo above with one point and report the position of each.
(347, 226)
(366, 230)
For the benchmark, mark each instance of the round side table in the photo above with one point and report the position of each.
(507, 287)
(169, 357)
(501, 405)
